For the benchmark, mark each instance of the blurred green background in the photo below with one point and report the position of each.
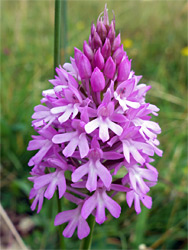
(154, 34)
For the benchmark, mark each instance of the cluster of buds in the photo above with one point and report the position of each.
(95, 121)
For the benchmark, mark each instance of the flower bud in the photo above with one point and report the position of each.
(97, 80)
(106, 20)
(106, 49)
(98, 59)
(111, 33)
(124, 70)
(83, 64)
(96, 41)
(88, 51)
(90, 41)
(101, 30)
(117, 42)
(109, 68)
(93, 29)
(118, 54)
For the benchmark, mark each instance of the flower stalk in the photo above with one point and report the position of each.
(61, 241)
(57, 62)
(57, 34)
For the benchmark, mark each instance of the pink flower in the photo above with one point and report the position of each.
(100, 200)
(94, 121)
(104, 121)
(75, 220)
(94, 169)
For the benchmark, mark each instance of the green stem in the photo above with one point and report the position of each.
(64, 32)
(57, 34)
(86, 242)
(60, 228)
(57, 62)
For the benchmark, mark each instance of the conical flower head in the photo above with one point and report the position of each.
(94, 121)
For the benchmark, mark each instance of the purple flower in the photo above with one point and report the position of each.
(44, 143)
(92, 123)
(75, 220)
(133, 196)
(100, 200)
(39, 198)
(104, 121)
(76, 138)
(93, 168)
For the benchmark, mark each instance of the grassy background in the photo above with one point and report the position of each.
(154, 33)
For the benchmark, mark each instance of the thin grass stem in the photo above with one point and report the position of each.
(57, 34)
(57, 62)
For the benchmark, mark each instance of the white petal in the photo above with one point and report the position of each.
(134, 105)
(58, 110)
(103, 131)
(126, 151)
(65, 116)
(92, 125)
(117, 129)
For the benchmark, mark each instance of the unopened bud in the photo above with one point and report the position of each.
(83, 64)
(97, 80)
(93, 29)
(111, 33)
(101, 30)
(117, 42)
(88, 51)
(96, 41)
(98, 59)
(124, 70)
(106, 49)
(106, 20)
(118, 54)
(109, 68)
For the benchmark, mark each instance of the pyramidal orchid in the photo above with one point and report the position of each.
(93, 122)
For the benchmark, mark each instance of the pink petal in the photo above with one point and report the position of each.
(60, 138)
(41, 153)
(137, 204)
(70, 228)
(149, 174)
(83, 145)
(50, 190)
(36, 144)
(63, 217)
(91, 183)
(130, 198)
(112, 206)
(70, 148)
(61, 183)
(146, 200)
(104, 174)
(83, 228)
(42, 180)
(142, 185)
(136, 155)
(80, 172)
(40, 114)
(89, 206)
(100, 213)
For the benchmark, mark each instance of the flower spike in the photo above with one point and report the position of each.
(92, 123)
